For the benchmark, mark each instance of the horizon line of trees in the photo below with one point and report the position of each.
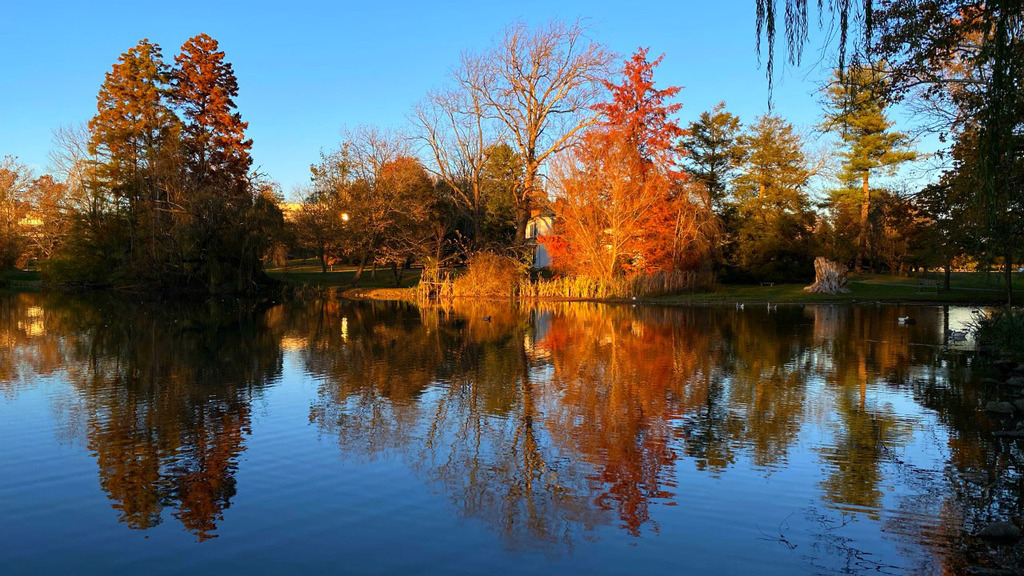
(158, 190)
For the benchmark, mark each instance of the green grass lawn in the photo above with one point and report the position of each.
(16, 279)
(310, 273)
(966, 288)
(958, 280)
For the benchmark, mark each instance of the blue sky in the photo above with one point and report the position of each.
(308, 69)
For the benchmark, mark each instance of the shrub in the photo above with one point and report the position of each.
(1003, 329)
(490, 275)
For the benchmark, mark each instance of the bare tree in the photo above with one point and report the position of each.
(539, 84)
(72, 163)
(453, 125)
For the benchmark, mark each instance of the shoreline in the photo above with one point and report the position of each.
(864, 290)
(715, 298)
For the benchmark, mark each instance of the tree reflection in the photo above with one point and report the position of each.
(165, 394)
(542, 422)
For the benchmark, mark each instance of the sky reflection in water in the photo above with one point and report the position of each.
(383, 438)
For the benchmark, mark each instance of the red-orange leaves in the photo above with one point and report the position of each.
(621, 201)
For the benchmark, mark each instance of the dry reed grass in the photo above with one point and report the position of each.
(494, 276)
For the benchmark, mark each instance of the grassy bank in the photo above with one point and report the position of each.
(21, 280)
(966, 287)
(309, 273)
(864, 288)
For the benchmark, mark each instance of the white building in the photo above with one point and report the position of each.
(540, 225)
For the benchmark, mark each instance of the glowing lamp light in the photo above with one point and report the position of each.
(344, 216)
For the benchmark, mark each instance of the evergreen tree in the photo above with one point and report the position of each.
(213, 133)
(714, 153)
(501, 180)
(772, 234)
(857, 104)
(132, 121)
(219, 195)
(130, 135)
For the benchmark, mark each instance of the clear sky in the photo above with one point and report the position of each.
(308, 69)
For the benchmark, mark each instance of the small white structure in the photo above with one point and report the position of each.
(540, 225)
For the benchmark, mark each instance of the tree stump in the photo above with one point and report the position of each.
(829, 277)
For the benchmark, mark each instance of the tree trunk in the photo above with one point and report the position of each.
(478, 216)
(323, 261)
(359, 270)
(1008, 275)
(525, 204)
(522, 221)
(862, 238)
(477, 233)
(829, 277)
(948, 273)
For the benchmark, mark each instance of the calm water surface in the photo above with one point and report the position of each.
(372, 438)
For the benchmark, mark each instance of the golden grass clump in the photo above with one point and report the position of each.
(494, 276)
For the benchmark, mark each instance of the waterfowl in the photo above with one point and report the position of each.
(957, 335)
(905, 320)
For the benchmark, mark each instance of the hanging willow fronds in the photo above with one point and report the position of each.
(797, 27)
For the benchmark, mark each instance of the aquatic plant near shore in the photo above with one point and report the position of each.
(1003, 329)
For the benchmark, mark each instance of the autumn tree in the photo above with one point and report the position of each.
(15, 182)
(132, 122)
(213, 133)
(217, 192)
(404, 185)
(51, 216)
(620, 196)
(387, 194)
(318, 227)
(538, 84)
(130, 134)
(772, 234)
(163, 193)
(713, 152)
(857, 113)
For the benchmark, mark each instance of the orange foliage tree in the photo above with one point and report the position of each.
(621, 202)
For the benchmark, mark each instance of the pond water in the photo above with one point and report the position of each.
(379, 438)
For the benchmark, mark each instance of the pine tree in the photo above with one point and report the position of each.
(132, 120)
(714, 153)
(213, 134)
(130, 135)
(857, 113)
(219, 195)
(773, 227)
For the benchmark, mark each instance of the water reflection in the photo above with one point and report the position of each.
(164, 393)
(549, 424)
